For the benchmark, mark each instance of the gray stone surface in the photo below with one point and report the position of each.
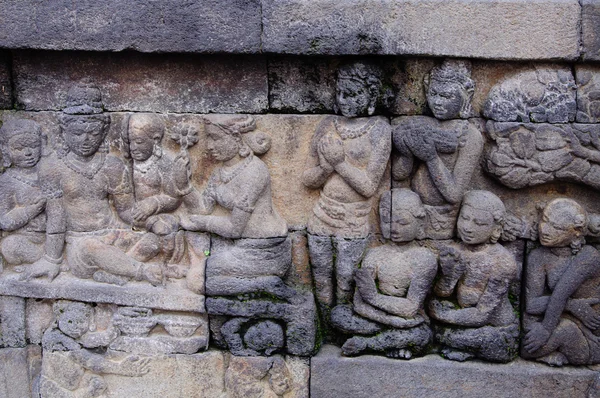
(19, 371)
(588, 93)
(590, 29)
(231, 26)
(143, 82)
(370, 376)
(461, 28)
(12, 321)
(5, 83)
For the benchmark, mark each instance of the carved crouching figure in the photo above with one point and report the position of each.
(391, 285)
(562, 294)
(443, 154)
(347, 159)
(83, 179)
(77, 373)
(21, 201)
(472, 307)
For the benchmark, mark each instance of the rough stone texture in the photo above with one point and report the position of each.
(460, 28)
(590, 29)
(144, 82)
(38, 318)
(12, 321)
(374, 377)
(231, 26)
(588, 93)
(210, 374)
(20, 371)
(5, 83)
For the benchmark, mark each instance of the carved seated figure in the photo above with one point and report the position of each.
(391, 285)
(82, 179)
(78, 371)
(21, 201)
(441, 154)
(562, 317)
(471, 305)
(260, 253)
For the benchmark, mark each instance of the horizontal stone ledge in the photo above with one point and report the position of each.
(432, 376)
(502, 29)
(208, 26)
(173, 297)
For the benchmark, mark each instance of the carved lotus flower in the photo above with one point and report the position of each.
(186, 135)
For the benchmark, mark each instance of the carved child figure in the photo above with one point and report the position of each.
(392, 284)
(446, 152)
(83, 179)
(562, 294)
(477, 274)
(347, 159)
(21, 201)
(79, 328)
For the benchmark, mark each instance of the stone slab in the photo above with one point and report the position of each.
(143, 82)
(5, 83)
(231, 26)
(431, 376)
(590, 29)
(19, 371)
(174, 296)
(12, 321)
(506, 29)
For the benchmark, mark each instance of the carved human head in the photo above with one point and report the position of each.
(264, 336)
(84, 127)
(144, 134)
(231, 135)
(481, 218)
(402, 215)
(21, 143)
(563, 224)
(73, 318)
(358, 89)
(450, 90)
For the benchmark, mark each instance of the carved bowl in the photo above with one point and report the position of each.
(180, 325)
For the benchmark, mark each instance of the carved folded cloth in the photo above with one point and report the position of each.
(344, 220)
(248, 258)
(81, 244)
(440, 221)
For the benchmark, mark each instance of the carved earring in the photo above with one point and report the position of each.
(577, 244)
(157, 150)
(244, 150)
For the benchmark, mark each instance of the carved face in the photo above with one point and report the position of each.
(221, 146)
(353, 98)
(84, 135)
(475, 226)
(556, 231)
(25, 150)
(74, 319)
(445, 99)
(404, 227)
(141, 143)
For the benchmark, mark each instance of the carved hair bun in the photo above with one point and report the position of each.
(259, 142)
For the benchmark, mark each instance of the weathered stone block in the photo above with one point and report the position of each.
(432, 376)
(5, 83)
(20, 371)
(12, 321)
(590, 29)
(459, 28)
(143, 82)
(231, 26)
(588, 93)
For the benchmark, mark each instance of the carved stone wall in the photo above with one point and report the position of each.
(299, 198)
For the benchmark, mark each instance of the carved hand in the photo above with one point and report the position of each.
(451, 261)
(582, 309)
(332, 149)
(421, 144)
(181, 172)
(365, 284)
(439, 309)
(194, 223)
(37, 206)
(144, 209)
(536, 337)
(133, 366)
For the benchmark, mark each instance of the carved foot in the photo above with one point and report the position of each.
(105, 277)
(456, 355)
(39, 269)
(151, 273)
(554, 359)
(354, 346)
(399, 354)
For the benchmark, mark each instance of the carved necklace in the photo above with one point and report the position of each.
(349, 133)
(26, 181)
(88, 170)
(146, 165)
(227, 176)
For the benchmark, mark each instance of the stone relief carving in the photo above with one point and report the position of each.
(522, 155)
(561, 296)
(439, 155)
(387, 313)
(347, 160)
(588, 95)
(471, 304)
(543, 95)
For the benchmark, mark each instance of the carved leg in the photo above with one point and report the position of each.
(495, 344)
(320, 249)
(349, 254)
(232, 286)
(399, 343)
(17, 249)
(567, 340)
